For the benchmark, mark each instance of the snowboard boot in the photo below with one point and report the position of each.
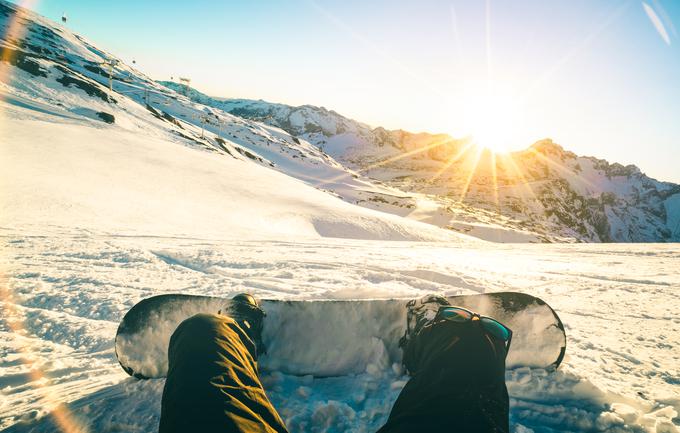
(246, 311)
(419, 313)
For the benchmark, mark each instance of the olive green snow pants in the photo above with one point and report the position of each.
(213, 384)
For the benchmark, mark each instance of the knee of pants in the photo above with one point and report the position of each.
(205, 322)
(200, 329)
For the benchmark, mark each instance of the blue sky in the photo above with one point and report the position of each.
(602, 78)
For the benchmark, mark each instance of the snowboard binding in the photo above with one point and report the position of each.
(420, 313)
(246, 311)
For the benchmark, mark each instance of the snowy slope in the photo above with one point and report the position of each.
(333, 134)
(560, 196)
(161, 175)
(90, 177)
(47, 69)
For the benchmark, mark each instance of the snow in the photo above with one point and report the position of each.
(71, 288)
(95, 217)
(100, 177)
(98, 218)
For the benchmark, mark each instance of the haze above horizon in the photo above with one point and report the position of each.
(600, 78)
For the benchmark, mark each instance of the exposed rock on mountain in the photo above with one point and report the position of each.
(543, 193)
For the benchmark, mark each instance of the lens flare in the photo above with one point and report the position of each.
(12, 314)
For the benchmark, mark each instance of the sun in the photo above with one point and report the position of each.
(493, 120)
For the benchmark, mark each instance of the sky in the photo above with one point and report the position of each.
(601, 78)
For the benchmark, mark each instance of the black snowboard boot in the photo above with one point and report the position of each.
(246, 311)
(420, 313)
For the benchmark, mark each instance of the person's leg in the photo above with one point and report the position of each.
(213, 383)
(457, 383)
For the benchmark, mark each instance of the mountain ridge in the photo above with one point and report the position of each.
(602, 209)
(429, 178)
(198, 96)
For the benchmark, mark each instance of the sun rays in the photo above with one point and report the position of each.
(509, 162)
(486, 120)
(400, 156)
(471, 174)
(14, 32)
(490, 118)
(455, 158)
(473, 165)
(15, 319)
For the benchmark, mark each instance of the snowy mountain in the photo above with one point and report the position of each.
(557, 196)
(212, 172)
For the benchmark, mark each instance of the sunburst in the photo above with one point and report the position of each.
(508, 160)
(382, 163)
(452, 160)
(471, 174)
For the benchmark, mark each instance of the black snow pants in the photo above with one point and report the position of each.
(457, 383)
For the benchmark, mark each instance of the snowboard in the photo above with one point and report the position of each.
(334, 337)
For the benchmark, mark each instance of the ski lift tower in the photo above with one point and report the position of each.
(185, 82)
(111, 65)
(204, 118)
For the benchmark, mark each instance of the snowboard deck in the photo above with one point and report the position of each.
(334, 337)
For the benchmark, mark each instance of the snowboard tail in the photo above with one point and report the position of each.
(335, 337)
